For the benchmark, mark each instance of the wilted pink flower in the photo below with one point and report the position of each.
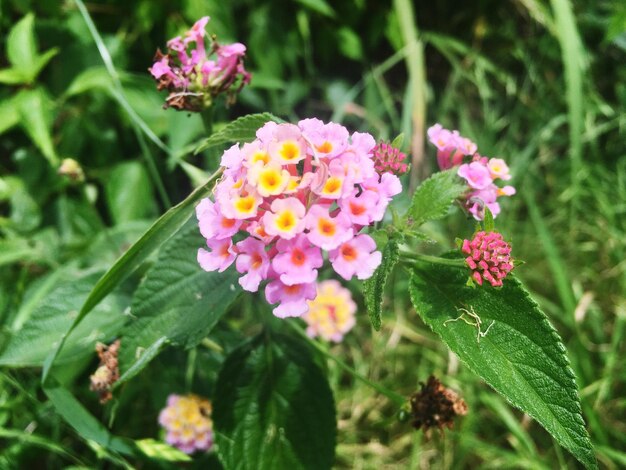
(295, 192)
(194, 76)
(187, 423)
(331, 313)
(489, 257)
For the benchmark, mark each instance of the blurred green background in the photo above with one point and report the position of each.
(541, 84)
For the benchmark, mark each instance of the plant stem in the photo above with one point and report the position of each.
(457, 263)
(393, 396)
(207, 120)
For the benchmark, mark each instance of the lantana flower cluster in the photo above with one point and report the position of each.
(294, 195)
(187, 422)
(331, 313)
(480, 173)
(489, 257)
(194, 75)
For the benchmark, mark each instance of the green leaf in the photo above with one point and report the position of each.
(374, 287)
(23, 55)
(34, 109)
(52, 317)
(516, 350)
(398, 141)
(273, 408)
(167, 225)
(488, 223)
(162, 451)
(42, 60)
(320, 6)
(21, 44)
(88, 427)
(9, 113)
(129, 192)
(94, 78)
(433, 198)
(13, 76)
(242, 129)
(177, 300)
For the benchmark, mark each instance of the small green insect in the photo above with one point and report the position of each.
(474, 321)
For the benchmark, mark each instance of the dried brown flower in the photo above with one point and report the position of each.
(107, 372)
(436, 406)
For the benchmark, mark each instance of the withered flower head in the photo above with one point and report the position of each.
(436, 406)
(107, 372)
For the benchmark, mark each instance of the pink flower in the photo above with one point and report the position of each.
(498, 169)
(212, 223)
(489, 257)
(325, 231)
(286, 219)
(187, 422)
(476, 175)
(451, 147)
(356, 257)
(219, 258)
(292, 298)
(296, 261)
(478, 200)
(331, 313)
(292, 193)
(359, 209)
(328, 140)
(253, 261)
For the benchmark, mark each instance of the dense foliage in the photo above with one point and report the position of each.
(99, 183)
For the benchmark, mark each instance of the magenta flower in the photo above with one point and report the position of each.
(489, 258)
(193, 75)
(356, 257)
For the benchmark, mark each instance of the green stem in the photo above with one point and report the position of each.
(207, 120)
(393, 396)
(457, 263)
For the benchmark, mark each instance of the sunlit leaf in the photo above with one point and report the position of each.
(503, 336)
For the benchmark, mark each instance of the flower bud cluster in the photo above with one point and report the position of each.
(193, 75)
(489, 257)
(480, 172)
(388, 158)
(331, 313)
(187, 422)
(299, 192)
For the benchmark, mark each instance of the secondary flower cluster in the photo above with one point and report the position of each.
(489, 257)
(192, 77)
(187, 422)
(331, 313)
(298, 191)
(480, 173)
